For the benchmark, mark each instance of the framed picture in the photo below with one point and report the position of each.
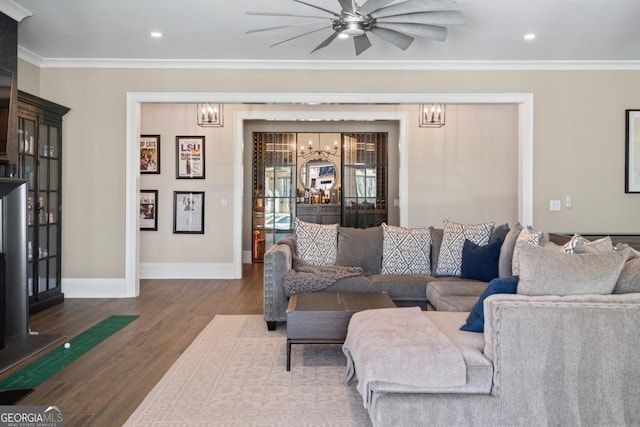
(188, 212)
(190, 157)
(150, 154)
(632, 165)
(149, 210)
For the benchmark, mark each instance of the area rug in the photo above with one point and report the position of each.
(47, 365)
(234, 374)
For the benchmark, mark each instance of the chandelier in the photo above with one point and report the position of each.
(431, 115)
(307, 152)
(210, 115)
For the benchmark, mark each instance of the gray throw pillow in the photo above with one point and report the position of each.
(506, 251)
(629, 280)
(360, 247)
(553, 272)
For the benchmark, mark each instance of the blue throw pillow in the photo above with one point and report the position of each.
(475, 320)
(480, 262)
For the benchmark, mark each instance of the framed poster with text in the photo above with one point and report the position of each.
(190, 157)
(149, 210)
(150, 154)
(188, 212)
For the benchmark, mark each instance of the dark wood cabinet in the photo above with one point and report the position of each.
(40, 164)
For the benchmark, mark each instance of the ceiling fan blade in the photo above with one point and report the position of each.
(443, 17)
(397, 39)
(361, 43)
(285, 14)
(326, 42)
(423, 30)
(412, 6)
(279, 27)
(300, 35)
(373, 5)
(318, 7)
(347, 6)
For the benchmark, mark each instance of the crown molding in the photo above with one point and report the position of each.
(222, 64)
(14, 10)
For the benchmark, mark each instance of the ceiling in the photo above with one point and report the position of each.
(576, 33)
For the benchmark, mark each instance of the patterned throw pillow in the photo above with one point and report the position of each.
(526, 237)
(406, 250)
(580, 245)
(317, 243)
(450, 259)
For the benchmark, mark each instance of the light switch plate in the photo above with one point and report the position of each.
(554, 205)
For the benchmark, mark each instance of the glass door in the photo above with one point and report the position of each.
(27, 169)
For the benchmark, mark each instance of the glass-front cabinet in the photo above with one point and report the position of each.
(364, 179)
(39, 163)
(274, 166)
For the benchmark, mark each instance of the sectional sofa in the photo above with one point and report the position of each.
(403, 273)
(558, 346)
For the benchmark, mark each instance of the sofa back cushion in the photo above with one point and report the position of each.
(317, 243)
(406, 250)
(506, 251)
(436, 244)
(545, 271)
(360, 247)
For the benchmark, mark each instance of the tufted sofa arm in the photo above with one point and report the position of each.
(277, 262)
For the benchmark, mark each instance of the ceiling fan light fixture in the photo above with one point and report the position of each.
(353, 28)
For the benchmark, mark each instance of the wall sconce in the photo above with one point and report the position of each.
(210, 115)
(431, 115)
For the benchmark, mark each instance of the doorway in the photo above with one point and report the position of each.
(134, 101)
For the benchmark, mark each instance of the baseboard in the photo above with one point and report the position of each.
(94, 288)
(116, 288)
(186, 271)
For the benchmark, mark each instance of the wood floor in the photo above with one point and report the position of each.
(104, 386)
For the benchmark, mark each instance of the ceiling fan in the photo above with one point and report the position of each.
(395, 21)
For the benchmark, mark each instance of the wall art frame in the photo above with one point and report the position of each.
(632, 152)
(150, 154)
(188, 212)
(149, 210)
(190, 157)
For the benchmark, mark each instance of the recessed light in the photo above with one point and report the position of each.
(529, 36)
(156, 34)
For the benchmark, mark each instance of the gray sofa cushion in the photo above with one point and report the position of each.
(506, 251)
(550, 272)
(471, 346)
(358, 247)
(436, 244)
(454, 294)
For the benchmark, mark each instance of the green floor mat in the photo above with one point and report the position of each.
(44, 367)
